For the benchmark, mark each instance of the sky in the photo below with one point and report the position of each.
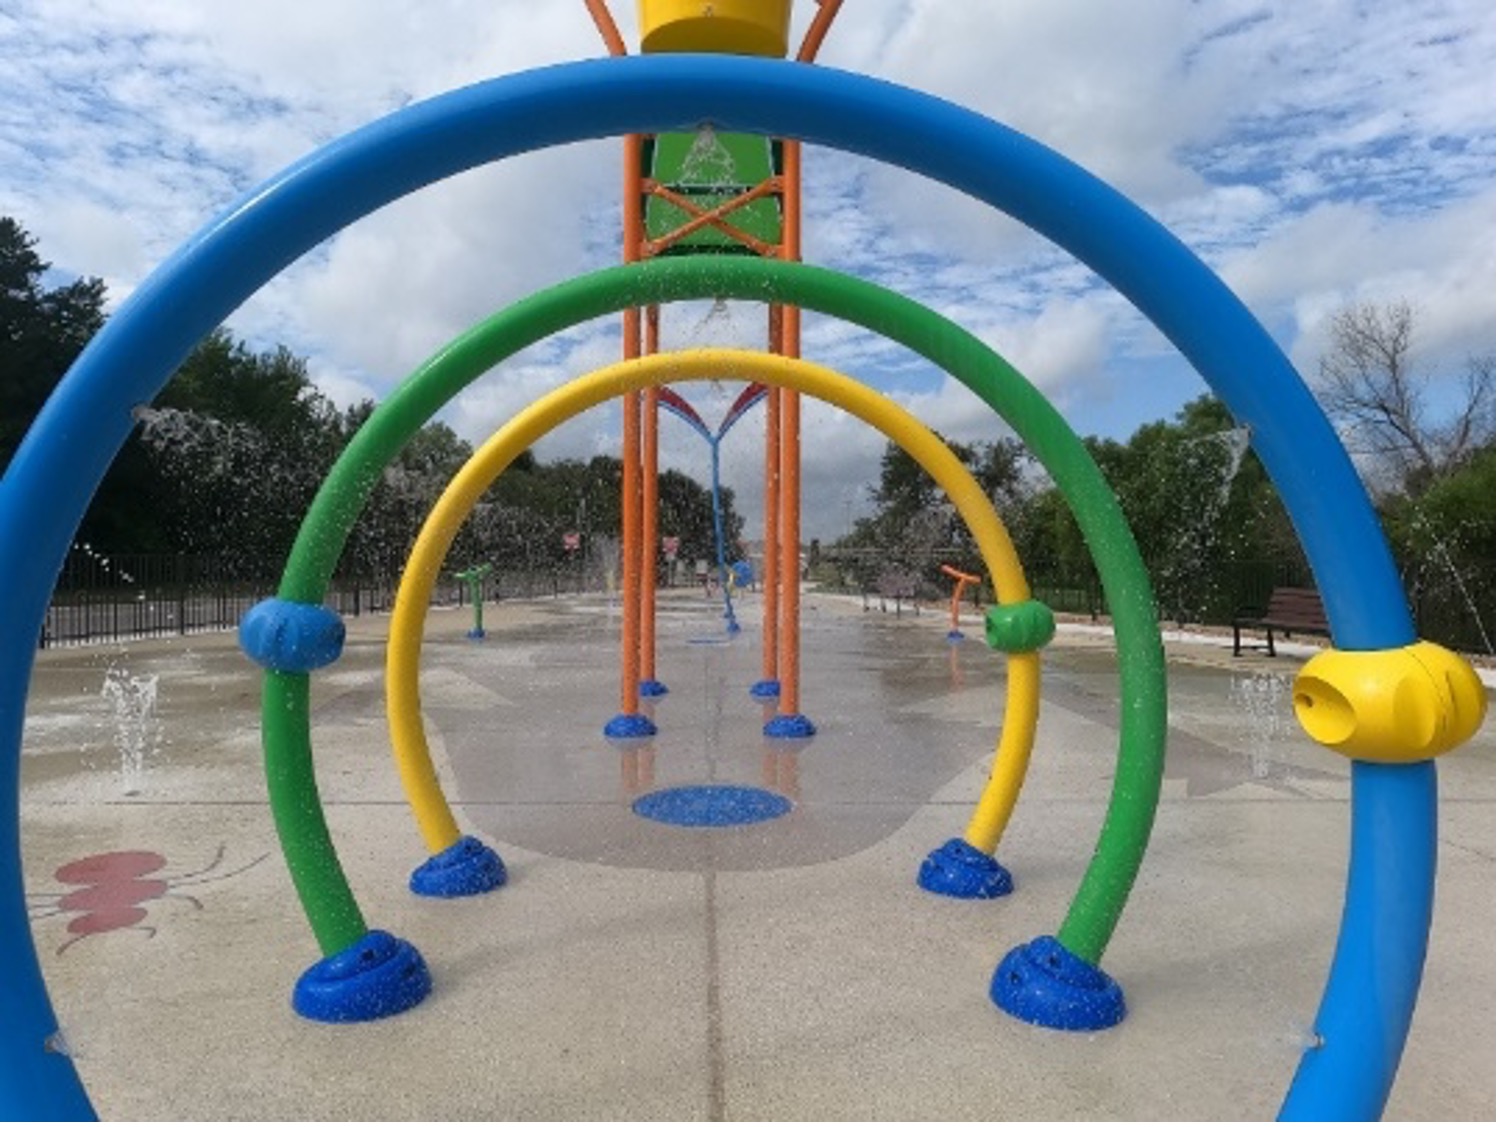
(1315, 153)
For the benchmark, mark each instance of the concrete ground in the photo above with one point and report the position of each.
(786, 970)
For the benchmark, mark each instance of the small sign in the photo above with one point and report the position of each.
(571, 541)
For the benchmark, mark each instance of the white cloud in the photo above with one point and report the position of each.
(1317, 152)
(1442, 261)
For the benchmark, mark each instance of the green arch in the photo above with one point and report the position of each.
(1091, 919)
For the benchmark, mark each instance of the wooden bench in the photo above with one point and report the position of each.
(1290, 609)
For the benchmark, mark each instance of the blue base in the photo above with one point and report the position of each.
(793, 727)
(732, 627)
(476, 634)
(629, 726)
(1044, 983)
(711, 806)
(376, 977)
(957, 869)
(466, 868)
(955, 635)
(653, 688)
(766, 690)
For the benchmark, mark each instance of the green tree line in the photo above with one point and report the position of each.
(1209, 523)
(228, 457)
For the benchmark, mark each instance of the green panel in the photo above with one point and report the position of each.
(711, 168)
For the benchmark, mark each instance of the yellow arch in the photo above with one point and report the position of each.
(403, 653)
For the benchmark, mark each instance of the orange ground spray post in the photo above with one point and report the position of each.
(961, 579)
(789, 723)
(650, 514)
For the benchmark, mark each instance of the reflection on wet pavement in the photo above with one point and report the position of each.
(900, 712)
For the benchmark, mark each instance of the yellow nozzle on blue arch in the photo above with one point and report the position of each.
(1390, 706)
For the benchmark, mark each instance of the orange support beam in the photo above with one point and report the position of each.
(630, 549)
(630, 721)
(650, 523)
(781, 578)
(769, 684)
(789, 721)
(821, 22)
(608, 31)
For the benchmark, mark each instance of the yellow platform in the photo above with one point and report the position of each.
(728, 27)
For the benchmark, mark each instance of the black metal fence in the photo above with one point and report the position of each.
(1445, 610)
(100, 598)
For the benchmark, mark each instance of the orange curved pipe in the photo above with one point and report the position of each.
(608, 30)
(817, 30)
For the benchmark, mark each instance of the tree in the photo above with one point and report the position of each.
(521, 521)
(915, 528)
(913, 524)
(1198, 503)
(687, 512)
(42, 331)
(226, 461)
(402, 497)
(1369, 383)
(1000, 468)
(1444, 543)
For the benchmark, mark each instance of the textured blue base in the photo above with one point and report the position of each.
(629, 726)
(955, 635)
(378, 976)
(466, 868)
(476, 634)
(957, 869)
(766, 690)
(711, 806)
(652, 688)
(1044, 983)
(793, 727)
(733, 627)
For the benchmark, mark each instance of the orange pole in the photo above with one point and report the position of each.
(606, 25)
(791, 453)
(630, 549)
(771, 566)
(827, 10)
(630, 454)
(650, 516)
(789, 439)
(630, 457)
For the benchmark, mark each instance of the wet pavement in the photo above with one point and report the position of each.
(785, 969)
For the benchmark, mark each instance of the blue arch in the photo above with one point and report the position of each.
(65, 455)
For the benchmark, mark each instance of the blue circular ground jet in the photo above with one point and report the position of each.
(711, 806)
